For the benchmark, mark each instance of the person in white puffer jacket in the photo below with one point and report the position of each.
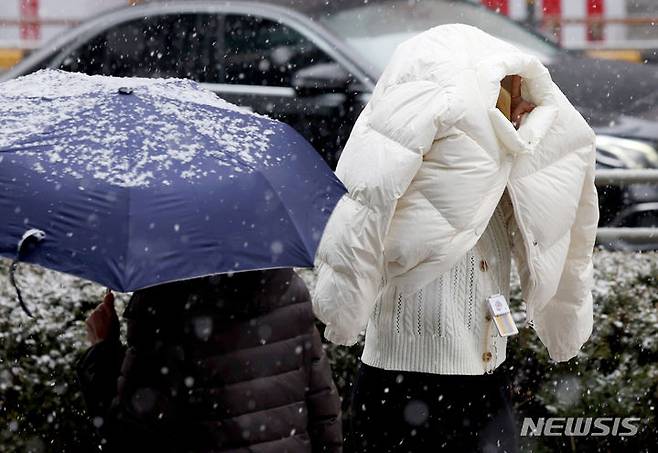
(443, 191)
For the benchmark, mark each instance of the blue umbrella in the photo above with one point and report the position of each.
(136, 182)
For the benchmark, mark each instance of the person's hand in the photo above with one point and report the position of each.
(519, 105)
(103, 323)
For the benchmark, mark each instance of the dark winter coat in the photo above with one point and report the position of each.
(216, 364)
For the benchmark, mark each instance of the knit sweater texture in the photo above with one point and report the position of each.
(444, 327)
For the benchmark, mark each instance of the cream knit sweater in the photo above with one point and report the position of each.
(444, 328)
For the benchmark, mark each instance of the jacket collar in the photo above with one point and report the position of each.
(537, 88)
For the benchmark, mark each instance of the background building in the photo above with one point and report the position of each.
(28, 24)
(626, 29)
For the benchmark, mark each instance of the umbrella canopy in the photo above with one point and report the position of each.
(137, 182)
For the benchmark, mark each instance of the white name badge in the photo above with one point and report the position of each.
(501, 315)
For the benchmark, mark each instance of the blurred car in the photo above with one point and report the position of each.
(314, 64)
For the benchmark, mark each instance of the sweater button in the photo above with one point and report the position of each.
(486, 356)
(484, 266)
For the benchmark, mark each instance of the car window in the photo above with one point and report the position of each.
(375, 29)
(263, 52)
(177, 45)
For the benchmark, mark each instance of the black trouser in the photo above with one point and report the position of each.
(397, 411)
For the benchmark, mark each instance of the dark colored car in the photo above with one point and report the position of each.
(314, 64)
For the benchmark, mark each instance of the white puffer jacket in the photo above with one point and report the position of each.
(427, 163)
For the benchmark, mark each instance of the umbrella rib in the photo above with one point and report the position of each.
(125, 278)
(292, 220)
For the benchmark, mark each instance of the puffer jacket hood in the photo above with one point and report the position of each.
(425, 166)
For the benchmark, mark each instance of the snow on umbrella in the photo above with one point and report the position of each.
(135, 182)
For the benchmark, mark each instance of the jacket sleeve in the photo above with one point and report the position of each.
(98, 370)
(565, 323)
(323, 402)
(135, 401)
(380, 159)
(517, 248)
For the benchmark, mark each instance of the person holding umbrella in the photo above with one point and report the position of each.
(224, 363)
(160, 188)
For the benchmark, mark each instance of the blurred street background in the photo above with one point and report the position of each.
(618, 29)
